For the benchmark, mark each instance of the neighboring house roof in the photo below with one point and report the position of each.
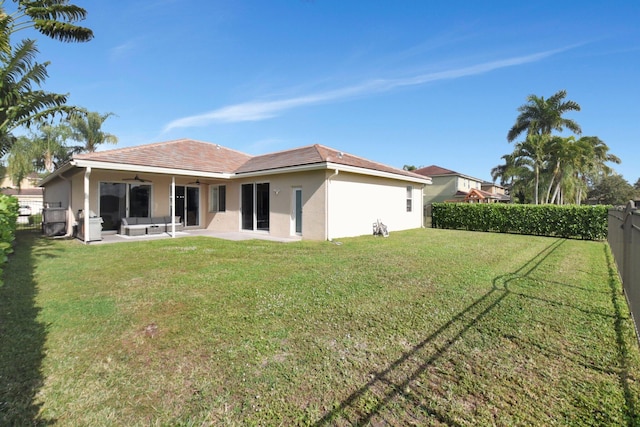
(434, 170)
(460, 195)
(189, 157)
(22, 192)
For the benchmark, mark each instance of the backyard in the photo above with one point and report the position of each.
(426, 327)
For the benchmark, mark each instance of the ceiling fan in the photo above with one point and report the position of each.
(136, 178)
(196, 182)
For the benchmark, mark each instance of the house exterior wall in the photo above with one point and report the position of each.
(333, 205)
(281, 201)
(465, 184)
(57, 193)
(355, 202)
(442, 188)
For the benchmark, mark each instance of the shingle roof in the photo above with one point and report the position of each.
(178, 154)
(201, 156)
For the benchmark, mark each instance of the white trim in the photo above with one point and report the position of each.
(85, 213)
(173, 206)
(229, 176)
(334, 166)
(147, 169)
(294, 216)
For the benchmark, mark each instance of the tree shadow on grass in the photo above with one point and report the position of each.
(631, 399)
(22, 335)
(367, 402)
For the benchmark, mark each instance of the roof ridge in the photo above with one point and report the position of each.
(156, 144)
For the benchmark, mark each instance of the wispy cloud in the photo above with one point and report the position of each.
(262, 110)
(123, 50)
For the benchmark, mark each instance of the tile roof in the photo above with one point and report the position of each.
(201, 156)
(178, 154)
(315, 154)
(434, 170)
(22, 192)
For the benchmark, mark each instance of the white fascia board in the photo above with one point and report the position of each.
(382, 174)
(147, 169)
(287, 169)
(335, 166)
(55, 173)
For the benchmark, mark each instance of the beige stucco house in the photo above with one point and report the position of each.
(451, 186)
(28, 192)
(314, 192)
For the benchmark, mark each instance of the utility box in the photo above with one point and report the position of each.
(54, 221)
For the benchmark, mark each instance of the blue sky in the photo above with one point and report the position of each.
(402, 82)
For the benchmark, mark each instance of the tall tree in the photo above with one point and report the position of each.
(533, 152)
(87, 129)
(612, 190)
(541, 116)
(56, 19)
(20, 102)
(592, 162)
(514, 175)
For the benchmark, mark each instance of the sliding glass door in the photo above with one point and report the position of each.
(119, 200)
(188, 205)
(255, 206)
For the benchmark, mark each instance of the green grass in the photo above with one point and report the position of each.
(430, 327)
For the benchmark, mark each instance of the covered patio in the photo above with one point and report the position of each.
(226, 235)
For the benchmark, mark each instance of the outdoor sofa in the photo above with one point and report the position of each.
(138, 226)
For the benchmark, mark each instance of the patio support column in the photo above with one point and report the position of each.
(85, 211)
(173, 206)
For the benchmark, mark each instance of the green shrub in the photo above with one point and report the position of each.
(571, 221)
(8, 218)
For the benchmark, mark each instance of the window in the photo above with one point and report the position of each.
(409, 198)
(217, 198)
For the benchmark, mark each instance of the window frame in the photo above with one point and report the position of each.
(217, 198)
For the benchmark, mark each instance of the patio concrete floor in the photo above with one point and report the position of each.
(238, 235)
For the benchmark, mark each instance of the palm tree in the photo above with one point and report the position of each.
(53, 18)
(542, 116)
(533, 153)
(20, 103)
(513, 174)
(86, 129)
(592, 163)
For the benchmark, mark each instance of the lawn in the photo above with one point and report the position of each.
(426, 327)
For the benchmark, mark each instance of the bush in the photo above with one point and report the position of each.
(8, 217)
(571, 221)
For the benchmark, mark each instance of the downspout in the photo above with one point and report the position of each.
(87, 173)
(326, 205)
(173, 207)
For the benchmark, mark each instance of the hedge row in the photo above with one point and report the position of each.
(571, 221)
(8, 219)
